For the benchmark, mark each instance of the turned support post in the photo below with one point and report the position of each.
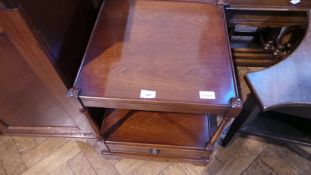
(235, 109)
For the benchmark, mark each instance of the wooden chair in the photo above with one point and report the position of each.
(279, 106)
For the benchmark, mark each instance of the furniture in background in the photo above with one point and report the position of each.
(262, 38)
(262, 33)
(40, 52)
(279, 106)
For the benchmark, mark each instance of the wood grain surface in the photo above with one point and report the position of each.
(33, 96)
(174, 48)
(152, 127)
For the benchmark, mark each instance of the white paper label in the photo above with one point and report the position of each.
(295, 1)
(207, 95)
(147, 94)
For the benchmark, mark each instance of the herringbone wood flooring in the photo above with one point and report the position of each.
(63, 156)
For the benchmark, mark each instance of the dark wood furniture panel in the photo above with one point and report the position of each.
(64, 32)
(174, 48)
(33, 96)
(266, 18)
(269, 4)
(26, 86)
(149, 127)
(280, 95)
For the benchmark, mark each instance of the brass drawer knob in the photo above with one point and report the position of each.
(155, 151)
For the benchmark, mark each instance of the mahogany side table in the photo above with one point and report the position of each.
(163, 71)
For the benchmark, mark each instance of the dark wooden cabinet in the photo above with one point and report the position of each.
(33, 91)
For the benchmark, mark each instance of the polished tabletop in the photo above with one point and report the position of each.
(158, 52)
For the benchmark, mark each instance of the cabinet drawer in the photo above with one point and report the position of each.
(160, 150)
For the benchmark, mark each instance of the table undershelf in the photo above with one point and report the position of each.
(159, 134)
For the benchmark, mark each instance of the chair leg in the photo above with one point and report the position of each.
(249, 112)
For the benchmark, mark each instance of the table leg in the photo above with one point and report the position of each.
(236, 107)
(249, 112)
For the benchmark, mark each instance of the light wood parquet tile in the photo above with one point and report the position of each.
(173, 169)
(258, 167)
(113, 159)
(245, 156)
(2, 170)
(299, 164)
(63, 169)
(283, 161)
(277, 164)
(80, 165)
(247, 152)
(100, 165)
(128, 166)
(150, 168)
(43, 150)
(24, 144)
(11, 159)
(40, 140)
(191, 169)
(214, 165)
(58, 158)
(240, 143)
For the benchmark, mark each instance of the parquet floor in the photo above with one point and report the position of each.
(63, 156)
